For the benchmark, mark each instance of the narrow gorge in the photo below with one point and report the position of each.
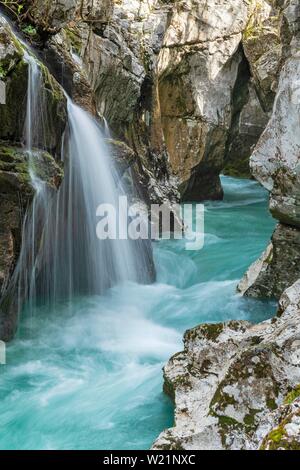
(170, 103)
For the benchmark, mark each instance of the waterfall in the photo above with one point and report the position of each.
(78, 262)
(33, 136)
(107, 132)
(61, 256)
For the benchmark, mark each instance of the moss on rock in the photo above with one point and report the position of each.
(286, 436)
(210, 331)
(14, 72)
(15, 168)
(74, 38)
(12, 114)
(292, 395)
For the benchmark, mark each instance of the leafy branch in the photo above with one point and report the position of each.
(15, 7)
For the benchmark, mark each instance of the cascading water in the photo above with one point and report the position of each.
(61, 255)
(107, 132)
(89, 376)
(24, 277)
(77, 262)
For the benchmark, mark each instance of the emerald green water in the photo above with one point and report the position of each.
(88, 375)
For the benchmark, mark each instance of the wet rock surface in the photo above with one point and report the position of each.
(16, 189)
(236, 385)
(16, 195)
(275, 164)
(231, 379)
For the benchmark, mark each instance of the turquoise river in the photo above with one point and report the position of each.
(88, 376)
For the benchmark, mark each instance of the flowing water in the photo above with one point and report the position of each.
(61, 257)
(74, 260)
(84, 371)
(89, 376)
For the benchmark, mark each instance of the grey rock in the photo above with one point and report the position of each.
(280, 266)
(230, 378)
(52, 16)
(275, 163)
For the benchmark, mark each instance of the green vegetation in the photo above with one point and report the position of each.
(2, 71)
(16, 7)
(279, 439)
(210, 331)
(29, 30)
(74, 38)
(291, 396)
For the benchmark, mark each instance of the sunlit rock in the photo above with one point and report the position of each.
(230, 378)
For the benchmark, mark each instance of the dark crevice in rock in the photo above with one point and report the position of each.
(236, 157)
(247, 124)
(204, 183)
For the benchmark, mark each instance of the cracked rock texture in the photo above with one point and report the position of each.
(235, 383)
(50, 15)
(121, 66)
(172, 79)
(286, 431)
(192, 88)
(275, 163)
(198, 69)
(189, 84)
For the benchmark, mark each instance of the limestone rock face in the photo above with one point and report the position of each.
(290, 28)
(278, 268)
(189, 85)
(230, 379)
(276, 164)
(168, 77)
(121, 64)
(262, 44)
(198, 69)
(258, 268)
(61, 55)
(248, 122)
(122, 155)
(13, 112)
(51, 16)
(276, 161)
(95, 12)
(286, 432)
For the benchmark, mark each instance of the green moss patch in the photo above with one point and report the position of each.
(292, 395)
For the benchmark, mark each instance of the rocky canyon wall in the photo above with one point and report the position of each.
(236, 385)
(188, 85)
(275, 163)
(183, 83)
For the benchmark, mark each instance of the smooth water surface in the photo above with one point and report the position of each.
(87, 375)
